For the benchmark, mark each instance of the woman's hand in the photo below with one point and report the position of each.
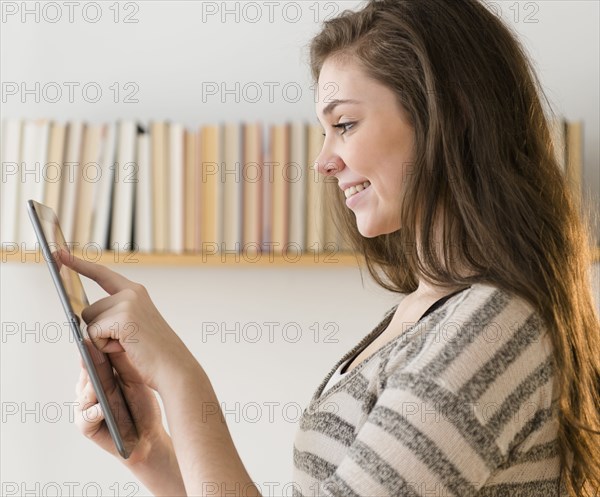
(144, 409)
(127, 320)
(153, 459)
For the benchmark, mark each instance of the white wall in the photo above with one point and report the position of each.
(169, 54)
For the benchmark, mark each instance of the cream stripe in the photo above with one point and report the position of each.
(427, 418)
(455, 323)
(401, 458)
(321, 445)
(359, 480)
(343, 405)
(546, 433)
(480, 349)
(539, 399)
(521, 473)
(529, 359)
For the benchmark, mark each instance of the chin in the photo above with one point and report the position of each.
(374, 231)
(369, 232)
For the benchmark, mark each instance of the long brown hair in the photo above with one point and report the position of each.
(484, 162)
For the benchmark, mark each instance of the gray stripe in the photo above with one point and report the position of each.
(536, 453)
(455, 410)
(519, 395)
(424, 449)
(380, 471)
(502, 359)
(477, 323)
(541, 488)
(357, 387)
(539, 419)
(313, 465)
(336, 486)
(330, 425)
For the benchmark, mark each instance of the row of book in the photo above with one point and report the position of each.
(161, 187)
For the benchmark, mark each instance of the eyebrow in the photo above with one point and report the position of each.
(334, 103)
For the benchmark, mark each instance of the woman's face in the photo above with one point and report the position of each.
(375, 145)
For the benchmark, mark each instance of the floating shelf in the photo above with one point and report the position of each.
(328, 259)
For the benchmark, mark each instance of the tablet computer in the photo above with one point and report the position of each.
(117, 413)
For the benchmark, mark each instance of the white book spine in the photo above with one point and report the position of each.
(143, 209)
(89, 175)
(42, 158)
(34, 153)
(122, 213)
(11, 180)
(232, 181)
(103, 191)
(54, 165)
(176, 175)
(69, 177)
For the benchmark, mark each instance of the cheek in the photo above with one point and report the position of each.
(391, 181)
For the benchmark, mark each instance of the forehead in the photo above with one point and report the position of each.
(347, 80)
(338, 80)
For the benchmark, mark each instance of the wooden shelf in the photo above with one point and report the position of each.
(328, 259)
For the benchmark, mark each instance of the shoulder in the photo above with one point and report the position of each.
(487, 349)
(482, 323)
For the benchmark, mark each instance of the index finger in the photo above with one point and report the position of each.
(109, 280)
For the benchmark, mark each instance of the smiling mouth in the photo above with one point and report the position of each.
(353, 190)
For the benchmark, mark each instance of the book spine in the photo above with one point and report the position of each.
(253, 170)
(102, 204)
(75, 131)
(122, 213)
(160, 185)
(54, 165)
(297, 178)
(190, 146)
(143, 198)
(176, 183)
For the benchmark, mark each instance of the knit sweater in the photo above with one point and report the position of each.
(460, 404)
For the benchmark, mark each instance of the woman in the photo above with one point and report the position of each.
(485, 378)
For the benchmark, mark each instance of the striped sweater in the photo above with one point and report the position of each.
(460, 404)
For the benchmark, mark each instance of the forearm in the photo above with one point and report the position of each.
(207, 456)
(160, 472)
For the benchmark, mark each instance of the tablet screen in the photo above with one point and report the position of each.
(76, 298)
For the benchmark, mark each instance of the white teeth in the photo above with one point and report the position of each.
(348, 192)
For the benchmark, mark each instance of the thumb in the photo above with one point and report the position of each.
(127, 371)
(104, 337)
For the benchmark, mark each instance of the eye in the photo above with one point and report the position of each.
(344, 126)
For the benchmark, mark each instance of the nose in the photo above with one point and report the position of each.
(327, 163)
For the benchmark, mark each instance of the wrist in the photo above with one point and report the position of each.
(150, 450)
(159, 470)
(180, 370)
